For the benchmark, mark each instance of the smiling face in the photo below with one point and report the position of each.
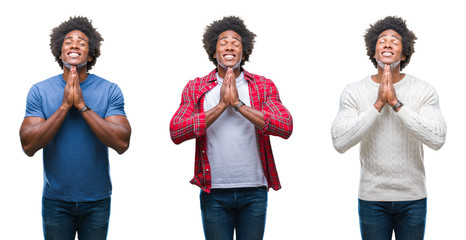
(388, 49)
(75, 49)
(229, 50)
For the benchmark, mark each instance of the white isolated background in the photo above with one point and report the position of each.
(310, 49)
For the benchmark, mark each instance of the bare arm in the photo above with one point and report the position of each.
(113, 131)
(256, 117)
(36, 132)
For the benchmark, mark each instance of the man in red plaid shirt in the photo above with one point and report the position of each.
(231, 113)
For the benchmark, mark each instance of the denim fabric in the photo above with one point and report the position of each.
(378, 220)
(61, 220)
(243, 209)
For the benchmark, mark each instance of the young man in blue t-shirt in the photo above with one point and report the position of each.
(75, 117)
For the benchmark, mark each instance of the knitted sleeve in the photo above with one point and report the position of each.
(427, 125)
(351, 125)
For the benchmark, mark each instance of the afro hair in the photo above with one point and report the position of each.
(396, 24)
(235, 24)
(76, 23)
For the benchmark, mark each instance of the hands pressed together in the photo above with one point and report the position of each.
(228, 91)
(386, 92)
(229, 97)
(73, 95)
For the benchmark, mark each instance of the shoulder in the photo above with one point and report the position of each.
(49, 85)
(201, 81)
(49, 81)
(412, 82)
(95, 79)
(415, 80)
(99, 83)
(255, 77)
(262, 83)
(361, 85)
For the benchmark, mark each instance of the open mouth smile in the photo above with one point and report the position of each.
(387, 54)
(229, 56)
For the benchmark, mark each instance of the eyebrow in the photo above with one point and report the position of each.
(227, 37)
(78, 37)
(386, 36)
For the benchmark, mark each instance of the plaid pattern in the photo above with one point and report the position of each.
(189, 122)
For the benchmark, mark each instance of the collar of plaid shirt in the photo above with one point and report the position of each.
(189, 122)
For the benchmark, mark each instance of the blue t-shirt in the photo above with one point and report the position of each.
(76, 167)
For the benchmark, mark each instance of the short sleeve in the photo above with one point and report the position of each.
(34, 103)
(116, 102)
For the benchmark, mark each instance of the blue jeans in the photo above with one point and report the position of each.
(61, 220)
(378, 220)
(243, 209)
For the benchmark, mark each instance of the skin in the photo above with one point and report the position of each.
(113, 131)
(388, 53)
(229, 56)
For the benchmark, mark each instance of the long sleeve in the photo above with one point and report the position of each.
(391, 143)
(186, 123)
(278, 120)
(350, 125)
(427, 126)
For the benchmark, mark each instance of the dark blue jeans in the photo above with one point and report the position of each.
(378, 220)
(243, 209)
(61, 220)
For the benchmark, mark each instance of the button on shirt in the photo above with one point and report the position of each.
(189, 122)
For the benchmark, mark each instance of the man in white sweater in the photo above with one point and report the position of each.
(392, 115)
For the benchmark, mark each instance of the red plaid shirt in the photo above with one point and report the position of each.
(189, 122)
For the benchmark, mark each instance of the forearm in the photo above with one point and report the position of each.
(114, 131)
(212, 115)
(36, 133)
(256, 117)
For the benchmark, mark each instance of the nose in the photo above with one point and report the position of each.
(387, 44)
(74, 45)
(229, 47)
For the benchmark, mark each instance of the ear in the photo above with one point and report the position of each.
(403, 57)
(215, 54)
(89, 58)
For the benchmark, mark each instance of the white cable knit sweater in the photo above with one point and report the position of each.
(391, 151)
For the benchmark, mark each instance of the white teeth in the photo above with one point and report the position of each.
(387, 54)
(73, 55)
(229, 57)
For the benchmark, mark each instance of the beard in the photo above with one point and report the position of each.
(392, 65)
(67, 65)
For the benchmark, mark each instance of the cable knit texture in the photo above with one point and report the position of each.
(391, 149)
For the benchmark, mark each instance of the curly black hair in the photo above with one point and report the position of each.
(235, 24)
(396, 24)
(76, 23)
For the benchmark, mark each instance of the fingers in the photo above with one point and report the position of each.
(234, 99)
(224, 91)
(231, 76)
(74, 75)
(68, 92)
(388, 74)
(78, 99)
